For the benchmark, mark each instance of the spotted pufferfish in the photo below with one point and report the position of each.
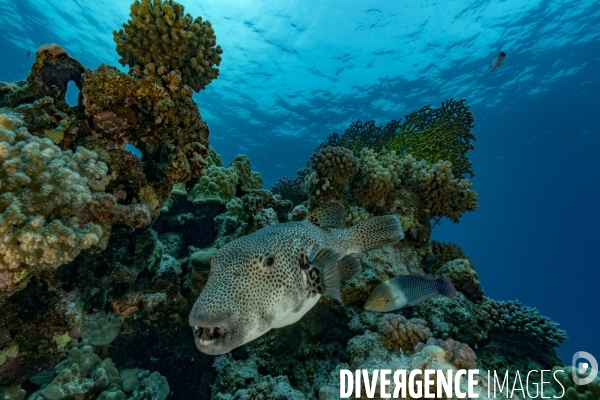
(274, 276)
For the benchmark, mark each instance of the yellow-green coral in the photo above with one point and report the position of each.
(160, 33)
(219, 184)
(377, 179)
(42, 191)
(438, 134)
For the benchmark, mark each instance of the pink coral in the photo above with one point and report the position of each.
(400, 333)
(458, 354)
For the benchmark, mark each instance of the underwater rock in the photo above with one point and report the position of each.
(464, 277)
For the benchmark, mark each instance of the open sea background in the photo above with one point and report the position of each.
(293, 72)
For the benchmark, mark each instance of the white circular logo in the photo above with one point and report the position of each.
(582, 367)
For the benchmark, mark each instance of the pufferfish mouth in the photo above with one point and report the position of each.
(210, 335)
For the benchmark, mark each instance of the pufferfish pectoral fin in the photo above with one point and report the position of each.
(349, 267)
(324, 277)
(329, 215)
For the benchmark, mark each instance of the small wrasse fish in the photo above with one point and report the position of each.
(407, 290)
(497, 61)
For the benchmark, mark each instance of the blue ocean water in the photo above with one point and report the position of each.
(293, 72)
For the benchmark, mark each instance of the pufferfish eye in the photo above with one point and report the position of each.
(269, 259)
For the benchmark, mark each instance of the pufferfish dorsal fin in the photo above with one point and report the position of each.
(329, 215)
(323, 274)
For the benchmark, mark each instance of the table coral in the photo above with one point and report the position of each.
(438, 134)
(43, 190)
(159, 33)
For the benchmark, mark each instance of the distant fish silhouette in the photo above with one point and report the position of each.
(497, 61)
(28, 53)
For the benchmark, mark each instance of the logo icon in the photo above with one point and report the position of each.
(582, 367)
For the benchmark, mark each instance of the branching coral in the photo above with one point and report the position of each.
(355, 215)
(159, 33)
(400, 333)
(42, 191)
(334, 163)
(511, 316)
(290, 189)
(439, 192)
(378, 178)
(438, 134)
(360, 135)
(332, 168)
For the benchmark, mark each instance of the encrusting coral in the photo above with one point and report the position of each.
(160, 36)
(42, 192)
(438, 134)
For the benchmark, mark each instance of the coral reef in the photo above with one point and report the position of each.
(400, 333)
(332, 168)
(83, 374)
(440, 193)
(160, 36)
(360, 135)
(43, 191)
(290, 189)
(378, 178)
(570, 391)
(444, 252)
(438, 134)
(457, 353)
(511, 316)
(219, 185)
(463, 275)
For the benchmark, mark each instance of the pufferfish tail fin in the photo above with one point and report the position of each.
(376, 232)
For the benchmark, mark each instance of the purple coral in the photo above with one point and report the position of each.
(109, 122)
(458, 354)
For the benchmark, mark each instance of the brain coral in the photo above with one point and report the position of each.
(160, 33)
(434, 134)
(42, 191)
